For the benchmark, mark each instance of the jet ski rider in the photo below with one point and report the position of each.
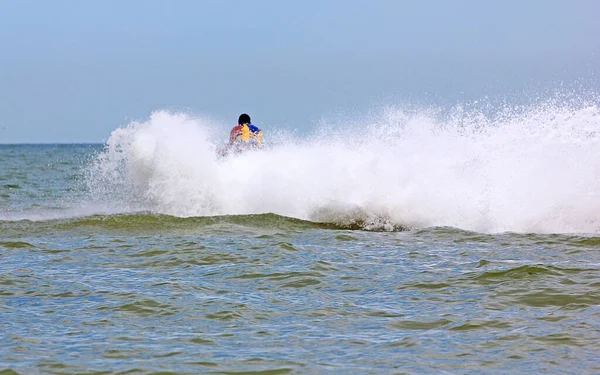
(245, 135)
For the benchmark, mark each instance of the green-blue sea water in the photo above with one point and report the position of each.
(99, 279)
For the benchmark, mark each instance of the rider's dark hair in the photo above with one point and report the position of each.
(244, 119)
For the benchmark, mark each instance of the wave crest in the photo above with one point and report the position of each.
(510, 168)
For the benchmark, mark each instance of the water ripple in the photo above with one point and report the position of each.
(299, 301)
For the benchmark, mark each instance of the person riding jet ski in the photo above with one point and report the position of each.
(245, 135)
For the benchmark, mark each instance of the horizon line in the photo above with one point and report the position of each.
(50, 143)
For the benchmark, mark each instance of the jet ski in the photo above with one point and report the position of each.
(236, 149)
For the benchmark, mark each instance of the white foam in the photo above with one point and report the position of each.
(522, 169)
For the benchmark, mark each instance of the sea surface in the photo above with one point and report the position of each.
(453, 247)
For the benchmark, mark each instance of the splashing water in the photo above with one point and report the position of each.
(534, 168)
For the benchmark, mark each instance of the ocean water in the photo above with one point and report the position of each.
(417, 241)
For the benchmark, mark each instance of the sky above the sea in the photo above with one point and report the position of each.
(73, 71)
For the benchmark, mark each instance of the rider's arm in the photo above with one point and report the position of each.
(232, 135)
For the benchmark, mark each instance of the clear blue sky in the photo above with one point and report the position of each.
(72, 71)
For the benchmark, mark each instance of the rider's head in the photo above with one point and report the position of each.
(244, 119)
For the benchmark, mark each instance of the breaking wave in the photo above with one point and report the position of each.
(530, 168)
